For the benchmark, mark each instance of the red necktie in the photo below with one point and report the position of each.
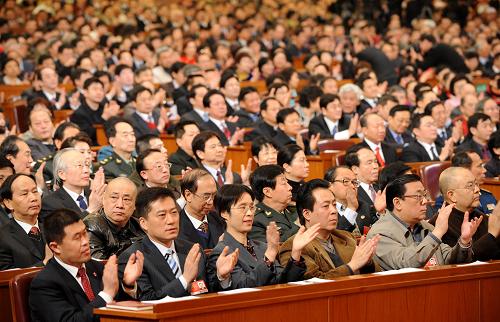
(34, 233)
(220, 179)
(227, 133)
(379, 157)
(85, 283)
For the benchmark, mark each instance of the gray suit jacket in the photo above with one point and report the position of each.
(251, 271)
(396, 248)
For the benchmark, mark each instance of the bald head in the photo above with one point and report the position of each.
(119, 200)
(122, 183)
(453, 178)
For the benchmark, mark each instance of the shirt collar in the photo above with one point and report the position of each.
(195, 221)
(75, 195)
(212, 171)
(373, 145)
(70, 268)
(25, 226)
(331, 124)
(220, 124)
(164, 249)
(144, 116)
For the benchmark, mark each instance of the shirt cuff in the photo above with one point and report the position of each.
(183, 282)
(105, 296)
(225, 283)
(350, 215)
(130, 291)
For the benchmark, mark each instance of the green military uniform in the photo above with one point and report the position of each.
(114, 167)
(264, 215)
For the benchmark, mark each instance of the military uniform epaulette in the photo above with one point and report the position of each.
(106, 160)
(487, 191)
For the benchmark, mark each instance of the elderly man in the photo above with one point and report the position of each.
(198, 223)
(21, 243)
(72, 175)
(407, 240)
(374, 130)
(17, 152)
(153, 168)
(274, 194)
(112, 229)
(459, 186)
(41, 128)
(333, 252)
(353, 214)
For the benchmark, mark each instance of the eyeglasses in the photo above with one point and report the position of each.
(245, 209)
(419, 197)
(470, 186)
(206, 196)
(160, 166)
(346, 182)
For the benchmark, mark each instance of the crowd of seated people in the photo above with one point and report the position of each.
(131, 219)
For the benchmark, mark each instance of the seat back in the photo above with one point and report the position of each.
(430, 177)
(19, 296)
(331, 144)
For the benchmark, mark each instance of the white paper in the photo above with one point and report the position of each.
(240, 290)
(474, 263)
(168, 299)
(313, 280)
(400, 271)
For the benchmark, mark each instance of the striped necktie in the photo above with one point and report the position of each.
(169, 256)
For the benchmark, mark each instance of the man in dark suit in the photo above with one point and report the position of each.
(198, 221)
(374, 130)
(21, 243)
(433, 55)
(438, 112)
(72, 285)
(198, 113)
(424, 147)
(369, 87)
(330, 123)
(210, 154)
(49, 88)
(184, 158)
(228, 133)
(363, 163)
(145, 119)
(72, 174)
(248, 114)
(353, 215)
(171, 264)
(289, 127)
(6, 170)
(480, 128)
(266, 127)
(378, 60)
(42, 128)
(397, 134)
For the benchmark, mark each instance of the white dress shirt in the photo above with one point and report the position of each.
(339, 135)
(163, 250)
(27, 227)
(428, 148)
(75, 196)
(348, 213)
(373, 146)
(195, 221)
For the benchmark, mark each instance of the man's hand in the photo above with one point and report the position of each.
(313, 142)
(133, 269)
(353, 125)
(441, 226)
(469, 228)
(352, 198)
(226, 263)
(40, 180)
(97, 187)
(363, 252)
(237, 137)
(191, 264)
(110, 109)
(245, 172)
(110, 277)
(228, 175)
(273, 241)
(380, 202)
(447, 150)
(302, 238)
(300, 141)
(494, 222)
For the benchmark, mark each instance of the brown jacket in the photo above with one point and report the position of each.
(319, 263)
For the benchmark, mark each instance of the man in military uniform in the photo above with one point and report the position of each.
(472, 161)
(121, 137)
(274, 194)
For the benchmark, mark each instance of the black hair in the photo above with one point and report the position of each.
(331, 173)
(9, 146)
(396, 188)
(90, 81)
(399, 108)
(263, 177)
(120, 68)
(416, 120)
(305, 198)
(200, 140)
(148, 196)
(139, 162)
(142, 142)
(111, 123)
(390, 172)
(209, 94)
(309, 94)
(190, 180)
(179, 128)
(59, 132)
(72, 140)
(386, 98)
(473, 121)
(429, 38)
(228, 195)
(429, 107)
(265, 101)
(284, 113)
(227, 75)
(261, 142)
(138, 89)
(5, 163)
(462, 159)
(54, 224)
(287, 153)
(245, 91)
(327, 99)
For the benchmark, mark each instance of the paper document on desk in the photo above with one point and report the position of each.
(311, 281)
(474, 263)
(240, 290)
(168, 299)
(400, 271)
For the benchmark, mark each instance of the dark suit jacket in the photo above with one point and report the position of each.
(415, 152)
(265, 130)
(470, 145)
(236, 176)
(60, 199)
(86, 118)
(141, 127)
(4, 216)
(184, 106)
(190, 233)
(484, 245)
(366, 218)
(366, 207)
(181, 160)
(318, 125)
(210, 126)
(244, 119)
(439, 141)
(193, 116)
(55, 295)
(17, 250)
(251, 271)
(157, 279)
(363, 107)
(390, 140)
(389, 152)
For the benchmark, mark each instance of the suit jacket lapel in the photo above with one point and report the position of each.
(245, 258)
(67, 201)
(158, 261)
(341, 247)
(187, 228)
(318, 248)
(70, 280)
(94, 278)
(20, 235)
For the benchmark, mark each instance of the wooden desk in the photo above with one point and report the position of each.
(5, 276)
(492, 185)
(442, 294)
